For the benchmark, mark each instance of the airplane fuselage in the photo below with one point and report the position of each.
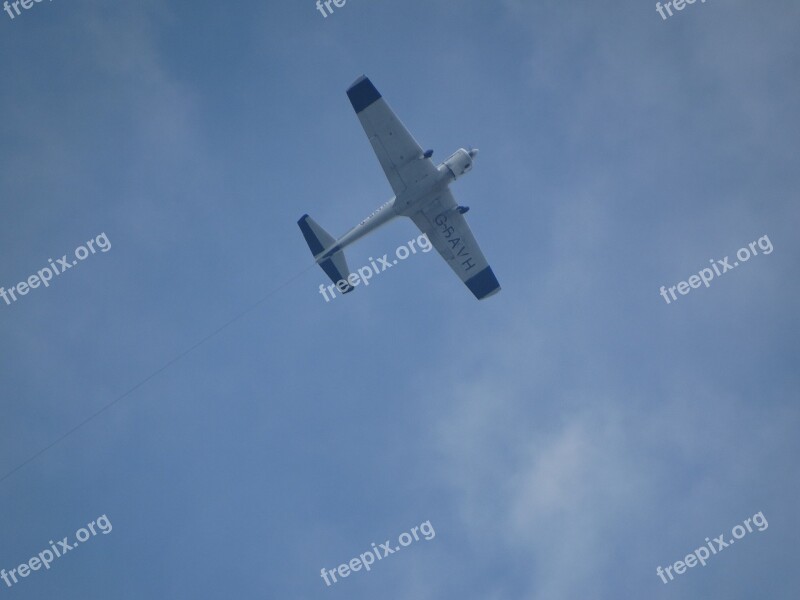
(411, 200)
(422, 194)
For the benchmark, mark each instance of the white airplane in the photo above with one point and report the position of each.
(421, 193)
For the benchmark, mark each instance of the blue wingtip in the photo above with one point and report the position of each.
(484, 284)
(362, 93)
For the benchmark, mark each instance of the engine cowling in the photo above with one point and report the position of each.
(459, 163)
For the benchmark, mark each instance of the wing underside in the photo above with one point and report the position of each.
(449, 233)
(399, 154)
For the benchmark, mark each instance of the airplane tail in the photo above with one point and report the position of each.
(320, 242)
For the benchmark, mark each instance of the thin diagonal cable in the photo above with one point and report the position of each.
(157, 372)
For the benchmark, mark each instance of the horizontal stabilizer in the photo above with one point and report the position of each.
(316, 237)
(320, 241)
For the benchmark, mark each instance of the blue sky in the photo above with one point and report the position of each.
(564, 437)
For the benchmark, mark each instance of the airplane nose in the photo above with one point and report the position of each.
(473, 153)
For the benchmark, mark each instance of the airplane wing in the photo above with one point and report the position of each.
(449, 233)
(398, 152)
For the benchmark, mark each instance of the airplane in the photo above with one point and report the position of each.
(421, 191)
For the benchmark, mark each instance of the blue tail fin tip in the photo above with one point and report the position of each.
(311, 239)
(334, 274)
